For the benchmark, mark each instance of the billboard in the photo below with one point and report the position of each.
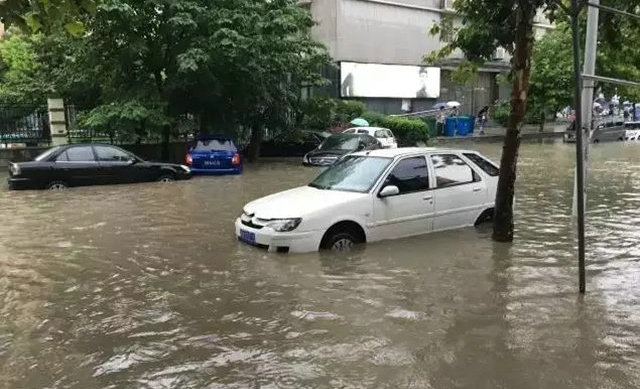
(399, 81)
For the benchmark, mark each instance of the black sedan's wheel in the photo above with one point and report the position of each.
(57, 185)
(166, 178)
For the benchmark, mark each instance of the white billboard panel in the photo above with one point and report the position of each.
(399, 81)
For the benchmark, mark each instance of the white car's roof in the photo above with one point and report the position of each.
(405, 151)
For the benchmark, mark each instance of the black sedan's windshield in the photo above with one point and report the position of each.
(352, 174)
(340, 142)
(45, 156)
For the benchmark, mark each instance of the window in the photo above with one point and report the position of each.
(77, 154)
(410, 175)
(351, 131)
(483, 164)
(47, 154)
(111, 154)
(389, 134)
(215, 145)
(363, 131)
(352, 173)
(381, 134)
(452, 170)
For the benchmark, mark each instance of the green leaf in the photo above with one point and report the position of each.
(75, 28)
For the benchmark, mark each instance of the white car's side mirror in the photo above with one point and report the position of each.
(389, 190)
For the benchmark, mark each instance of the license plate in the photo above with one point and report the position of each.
(212, 163)
(247, 237)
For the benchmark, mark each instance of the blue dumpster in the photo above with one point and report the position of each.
(450, 125)
(465, 125)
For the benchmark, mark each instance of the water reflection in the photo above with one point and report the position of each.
(145, 286)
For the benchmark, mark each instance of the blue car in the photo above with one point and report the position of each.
(214, 155)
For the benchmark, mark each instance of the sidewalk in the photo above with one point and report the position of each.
(495, 132)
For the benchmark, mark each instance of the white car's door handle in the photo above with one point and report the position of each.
(427, 198)
(477, 189)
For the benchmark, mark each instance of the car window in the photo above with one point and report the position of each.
(215, 144)
(363, 131)
(78, 154)
(111, 154)
(451, 170)
(381, 134)
(389, 134)
(351, 131)
(410, 175)
(45, 156)
(352, 173)
(483, 164)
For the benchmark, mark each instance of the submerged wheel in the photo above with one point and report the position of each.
(166, 178)
(57, 185)
(342, 237)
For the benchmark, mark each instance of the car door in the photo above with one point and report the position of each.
(411, 211)
(116, 165)
(460, 193)
(77, 166)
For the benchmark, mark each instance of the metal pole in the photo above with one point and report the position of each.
(579, 143)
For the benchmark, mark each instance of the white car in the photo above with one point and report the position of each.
(383, 135)
(374, 195)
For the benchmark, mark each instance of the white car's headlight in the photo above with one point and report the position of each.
(284, 225)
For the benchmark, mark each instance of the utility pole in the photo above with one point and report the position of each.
(575, 29)
(589, 68)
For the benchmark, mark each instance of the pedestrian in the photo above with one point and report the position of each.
(440, 118)
(482, 118)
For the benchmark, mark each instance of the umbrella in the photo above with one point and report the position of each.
(360, 122)
(453, 104)
(440, 105)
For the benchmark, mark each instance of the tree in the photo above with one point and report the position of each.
(45, 15)
(487, 25)
(230, 65)
(551, 85)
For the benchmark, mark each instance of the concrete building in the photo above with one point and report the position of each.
(397, 32)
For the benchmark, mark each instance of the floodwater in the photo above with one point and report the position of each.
(144, 286)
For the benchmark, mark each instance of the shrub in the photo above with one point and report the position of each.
(408, 132)
(375, 118)
(347, 110)
(318, 113)
(501, 112)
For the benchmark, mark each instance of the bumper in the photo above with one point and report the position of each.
(214, 171)
(292, 242)
(21, 184)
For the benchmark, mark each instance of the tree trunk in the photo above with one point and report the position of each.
(521, 68)
(253, 149)
(542, 120)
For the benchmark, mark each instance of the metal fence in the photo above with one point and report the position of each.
(79, 134)
(27, 124)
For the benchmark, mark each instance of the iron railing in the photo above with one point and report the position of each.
(27, 124)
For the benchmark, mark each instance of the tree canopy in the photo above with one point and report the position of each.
(228, 65)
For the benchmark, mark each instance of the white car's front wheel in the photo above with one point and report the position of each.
(342, 237)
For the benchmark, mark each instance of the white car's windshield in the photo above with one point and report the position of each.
(353, 174)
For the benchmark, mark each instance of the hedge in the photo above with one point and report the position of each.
(408, 132)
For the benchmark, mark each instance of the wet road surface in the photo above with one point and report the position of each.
(145, 286)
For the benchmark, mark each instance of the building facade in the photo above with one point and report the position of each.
(397, 32)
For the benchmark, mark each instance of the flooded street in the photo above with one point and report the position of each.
(145, 286)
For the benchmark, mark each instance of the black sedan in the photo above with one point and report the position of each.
(296, 146)
(89, 164)
(338, 145)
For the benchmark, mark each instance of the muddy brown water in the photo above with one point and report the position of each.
(144, 286)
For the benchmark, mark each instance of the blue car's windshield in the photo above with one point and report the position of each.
(215, 144)
(352, 174)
